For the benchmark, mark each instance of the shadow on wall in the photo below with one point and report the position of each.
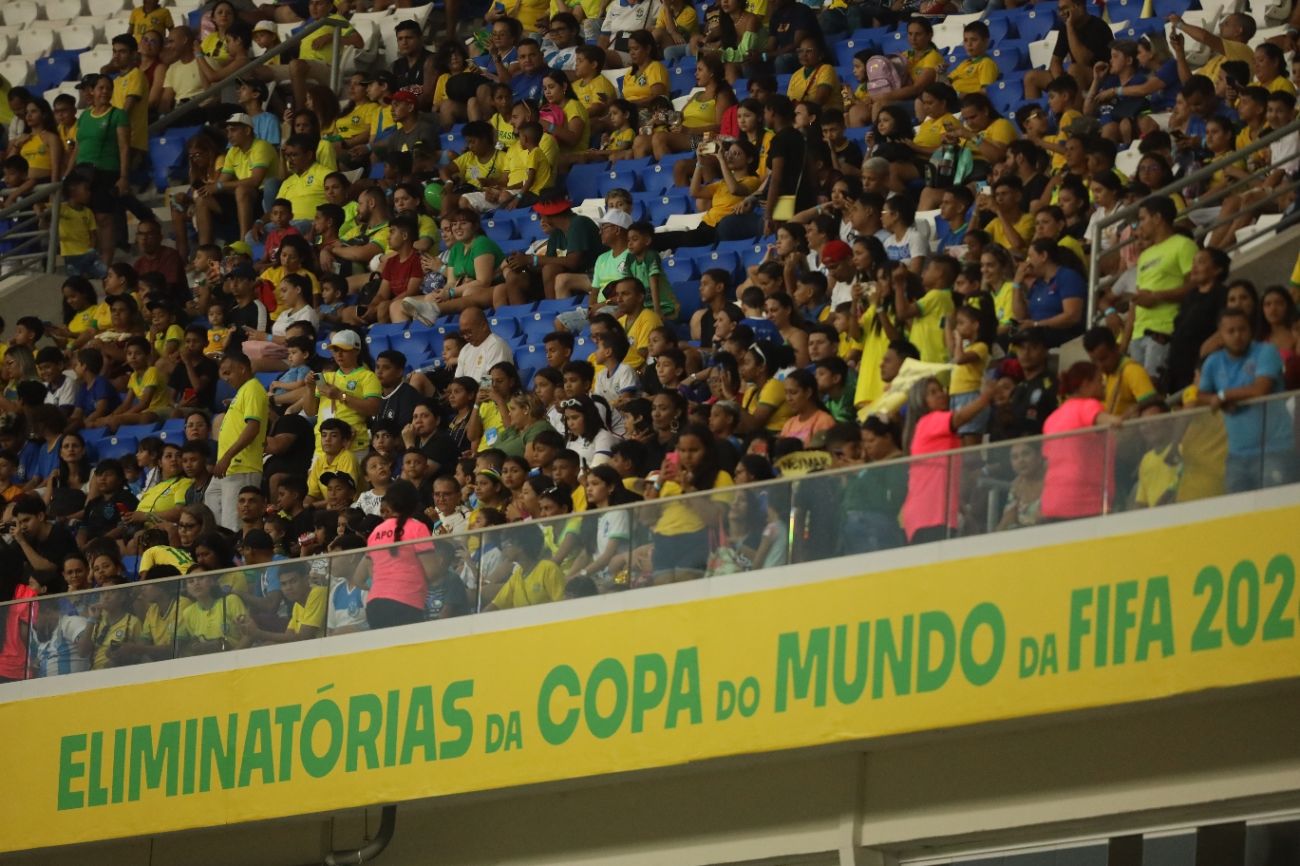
(40, 295)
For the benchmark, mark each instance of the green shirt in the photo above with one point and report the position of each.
(462, 259)
(609, 269)
(646, 269)
(97, 139)
(1162, 268)
(582, 236)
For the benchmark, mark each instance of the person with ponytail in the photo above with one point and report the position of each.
(397, 574)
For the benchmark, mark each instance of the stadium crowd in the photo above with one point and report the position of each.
(395, 313)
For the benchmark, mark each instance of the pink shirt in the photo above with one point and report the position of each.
(933, 486)
(804, 431)
(1079, 468)
(13, 652)
(397, 574)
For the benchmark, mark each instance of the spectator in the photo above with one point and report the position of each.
(242, 440)
(1080, 478)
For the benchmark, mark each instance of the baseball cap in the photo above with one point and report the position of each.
(551, 208)
(241, 118)
(385, 77)
(88, 81)
(265, 27)
(345, 340)
(1030, 335)
(405, 95)
(258, 86)
(239, 248)
(345, 477)
(616, 217)
(836, 251)
(258, 539)
(243, 270)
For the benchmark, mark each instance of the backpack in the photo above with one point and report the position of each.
(885, 73)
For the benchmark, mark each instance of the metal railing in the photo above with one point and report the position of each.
(1149, 462)
(1096, 281)
(30, 243)
(173, 117)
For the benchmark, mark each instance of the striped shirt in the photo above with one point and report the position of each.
(58, 654)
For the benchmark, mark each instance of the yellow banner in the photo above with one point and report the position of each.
(1079, 625)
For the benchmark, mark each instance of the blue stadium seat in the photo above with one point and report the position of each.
(680, 270)
(93, 435)
(173, 425)
(530, 359)
(131, 567)
(744, 250)
(613, 180)
(52, 71)
(1009, 58)
(631, 166)
(999, 29)
(555, 306)
(518, 311)
(500, 225)
(1164, 8)
(265, 378)
(416, 345)
(664, 207)
(167, 154)
(137, 431)
(583, 181)
(582, 348)
(116, 447)
(1035, 23)
(535, 330)
(501, 235)
(659, 179)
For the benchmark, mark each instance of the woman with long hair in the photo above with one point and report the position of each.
(40, 146)
(701, 115)
(151, 65)
(933, 502)
(781, 312)
(611, 548)
(587, 434)
(488, 424)
(680, 537)
(397, 574)
(563, 115)
(203, 168)
(808, 417)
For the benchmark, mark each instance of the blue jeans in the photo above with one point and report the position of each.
(869, 531)
(1245, 472)
(740, 227)
(88, 265)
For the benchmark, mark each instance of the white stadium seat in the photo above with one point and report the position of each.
(16, 71)
(19, 12)
(1040, 52)
(79, 37)
(65, 9)
(104, 9)
(37, 43)
(96, 59)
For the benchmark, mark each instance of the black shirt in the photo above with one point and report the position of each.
(442, 452)
(789, 21)
(1032, 401)
(104, 514)
(207, 371)
(297, 460)
(408, 73)
(58, 544)
(791, 147)
(1095, 35)
(399, 406)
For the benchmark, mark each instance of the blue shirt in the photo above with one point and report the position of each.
(266, 126)
(86, 398)
(527, 86)
(949, 236)
(294, 374)
(1046, 296)
(1248, 426)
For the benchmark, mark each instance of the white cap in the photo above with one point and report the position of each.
(616, 217)
(240, 117)
(345, 340)
(265, 27)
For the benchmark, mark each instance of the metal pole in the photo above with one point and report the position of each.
(1094, 264)
(336, 63)
(56, 200)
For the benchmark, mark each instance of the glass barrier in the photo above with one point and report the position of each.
(1146, 462)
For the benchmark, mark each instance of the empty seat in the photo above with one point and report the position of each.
(37, 43)
(18, 13)
(78, 37)
(52, 71)
(102, 9)
(64, 9)
(116, 446)
(583, 182)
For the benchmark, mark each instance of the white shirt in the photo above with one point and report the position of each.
(475, 361)
(59, 654)
(66, 393)
(1284, 149)
(622, 17)
(594, 451)
(307, 314)
(841, 293)
(613, 384)
(915, 243)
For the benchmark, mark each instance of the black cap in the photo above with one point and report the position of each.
(345, 477)
(387, 78)
(259, 86)
(257, 539)
(243, 270)
(88, 81)
(1031, 335)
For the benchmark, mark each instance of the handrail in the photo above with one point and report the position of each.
(636, 507)
(1205, 172)
(170, 119)
(41, 193)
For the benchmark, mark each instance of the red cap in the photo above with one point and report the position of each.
(835, 252)
(404, 95)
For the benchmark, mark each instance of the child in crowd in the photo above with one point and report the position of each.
(78, 237)
(218, 331)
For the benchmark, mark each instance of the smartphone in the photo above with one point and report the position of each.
(674, 460)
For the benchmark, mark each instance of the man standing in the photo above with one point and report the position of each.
(786, 158)
(131, 90)
(1085, 39)
(1163, 268)
(241, 440)
(1034, 398)
(1261, 447)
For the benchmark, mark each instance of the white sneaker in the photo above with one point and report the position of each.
(423, 311)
